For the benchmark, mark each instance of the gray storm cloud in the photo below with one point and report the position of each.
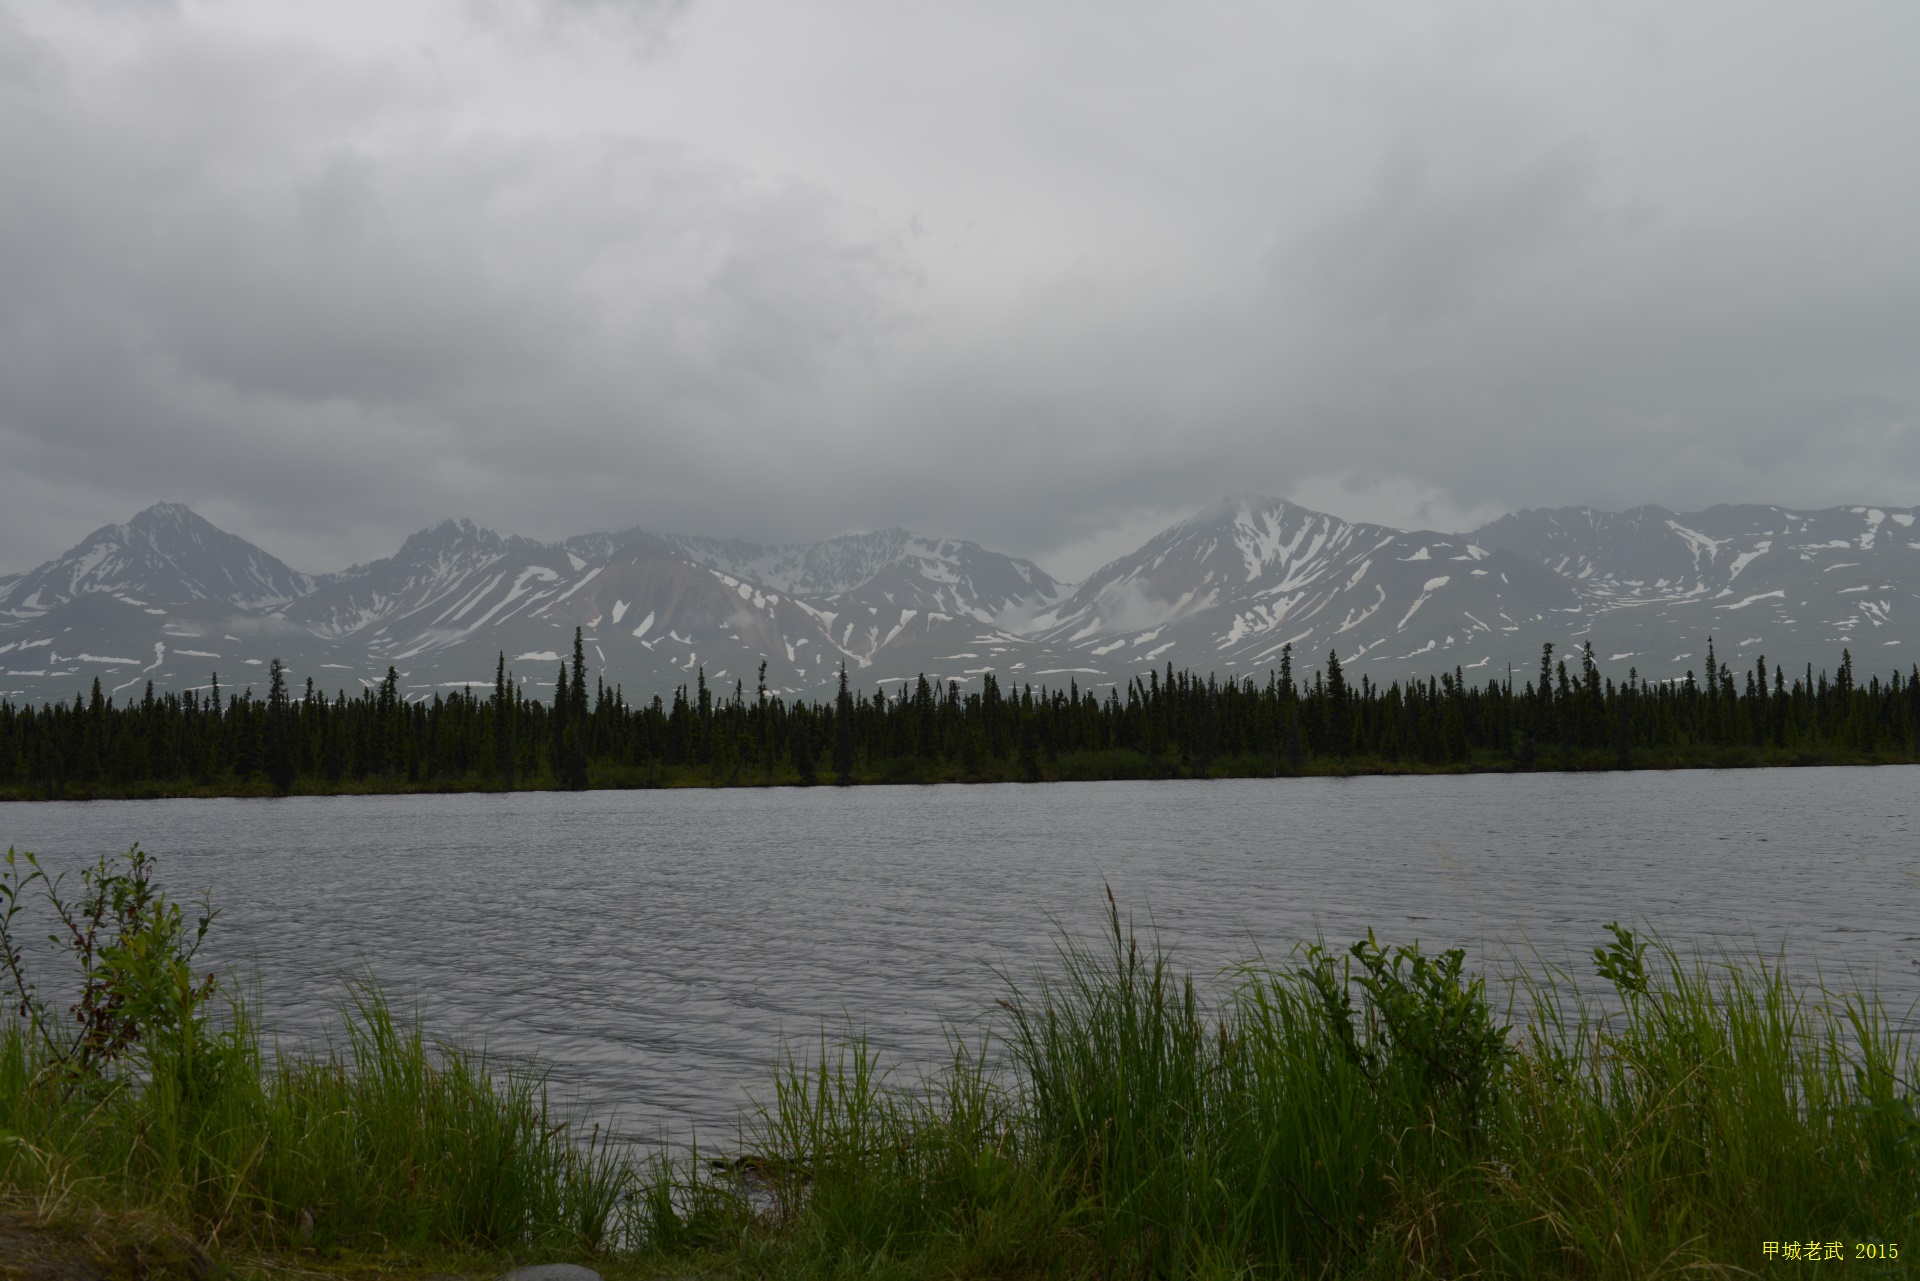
(1033, 278)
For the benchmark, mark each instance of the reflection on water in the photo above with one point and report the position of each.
(652, 947)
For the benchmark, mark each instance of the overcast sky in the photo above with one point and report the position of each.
(1047, 276)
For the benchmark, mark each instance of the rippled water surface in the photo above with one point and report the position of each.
(653, 947)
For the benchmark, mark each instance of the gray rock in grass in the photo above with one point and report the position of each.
(552, 1272)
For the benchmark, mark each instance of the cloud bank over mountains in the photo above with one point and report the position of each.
(766, 272)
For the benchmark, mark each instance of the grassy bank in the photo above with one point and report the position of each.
(1366, 1112)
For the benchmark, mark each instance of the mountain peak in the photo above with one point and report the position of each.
(177, 512)
(1233, 507)
(453, 536)
(454, 529)
(168, 552)
(1253, 512)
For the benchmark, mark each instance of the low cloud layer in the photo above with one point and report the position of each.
(1041, 278)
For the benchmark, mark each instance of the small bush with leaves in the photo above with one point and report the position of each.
(1623, 962)
(1430, 1035)
(134, 950)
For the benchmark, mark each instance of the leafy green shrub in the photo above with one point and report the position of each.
(1429, 1038)
(138, 997)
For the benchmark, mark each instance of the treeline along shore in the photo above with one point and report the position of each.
(1567, 716)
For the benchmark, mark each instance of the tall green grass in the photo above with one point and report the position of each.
(1367, 1114)
(390, 1140)
(1372, 1112)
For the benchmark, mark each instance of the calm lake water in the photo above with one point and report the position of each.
(653, 947)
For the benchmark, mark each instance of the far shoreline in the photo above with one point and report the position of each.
(1114, 765)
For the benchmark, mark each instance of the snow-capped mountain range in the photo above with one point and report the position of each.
(170, 599)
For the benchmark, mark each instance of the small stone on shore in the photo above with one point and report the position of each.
(552, 1272)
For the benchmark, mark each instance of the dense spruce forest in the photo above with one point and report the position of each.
(1167, 725)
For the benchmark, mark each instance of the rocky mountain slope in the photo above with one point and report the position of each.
(1797, 586)
(1248, 576)
(171, 599)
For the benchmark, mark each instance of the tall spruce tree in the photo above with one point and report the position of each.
(503, 723)
(557, 719)
(1339, 713)
(579, 728)
(765, 723)
(279, 732)
(1623, 726)
(843, 732)
(577, 691)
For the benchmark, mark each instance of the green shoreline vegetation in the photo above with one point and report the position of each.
(1171, 725)
(1366, 1112)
